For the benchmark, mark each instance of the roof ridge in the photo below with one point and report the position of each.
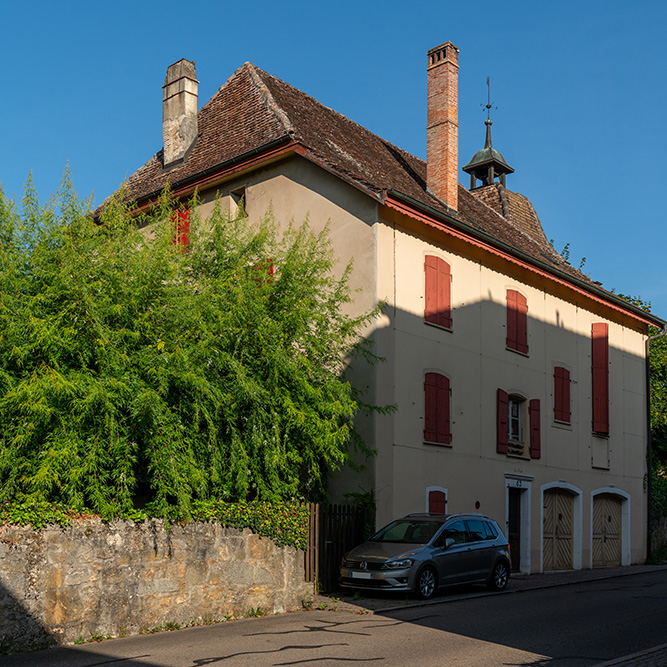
(269, 99)
(364, 129)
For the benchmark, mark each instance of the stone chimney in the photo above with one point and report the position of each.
(442, 130)
(179, 111)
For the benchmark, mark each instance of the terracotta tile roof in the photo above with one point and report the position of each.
(254, 109)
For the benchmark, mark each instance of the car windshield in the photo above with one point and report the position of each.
(407, 531)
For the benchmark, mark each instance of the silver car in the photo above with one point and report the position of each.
(423, 552)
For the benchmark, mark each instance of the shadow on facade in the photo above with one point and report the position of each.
(473, 354)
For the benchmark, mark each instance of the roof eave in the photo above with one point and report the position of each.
(187, 185)
(599, 294)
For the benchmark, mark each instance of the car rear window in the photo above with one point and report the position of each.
(408, 532)
(480, 530)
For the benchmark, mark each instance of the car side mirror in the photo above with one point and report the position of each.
(448, 542)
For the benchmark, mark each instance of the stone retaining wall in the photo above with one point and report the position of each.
(119, 578)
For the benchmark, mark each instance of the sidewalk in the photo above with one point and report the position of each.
(386, 602)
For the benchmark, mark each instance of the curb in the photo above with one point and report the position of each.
(555, 580)
(653, 657)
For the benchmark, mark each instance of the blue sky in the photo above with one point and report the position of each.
(579, 88)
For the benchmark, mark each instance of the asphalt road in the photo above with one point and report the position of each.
(578, 625)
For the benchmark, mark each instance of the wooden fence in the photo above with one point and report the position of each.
(332, 531)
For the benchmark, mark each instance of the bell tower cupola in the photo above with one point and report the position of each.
(488, 164)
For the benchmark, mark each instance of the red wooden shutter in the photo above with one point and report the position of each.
(600, 372)
(436, 409)
(511, 319)
(437, 502)
(562, 394)
(437, 292)
(502, 430)
(535, 436)
(522, 323)
(181, 222)
(265, 272)
(517, 321)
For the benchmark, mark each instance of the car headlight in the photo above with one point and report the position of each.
(398, 564)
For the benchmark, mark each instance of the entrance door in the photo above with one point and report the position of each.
(606, 530)
(558, 529)
(514, 527)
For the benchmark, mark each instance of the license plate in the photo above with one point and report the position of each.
(361, 575)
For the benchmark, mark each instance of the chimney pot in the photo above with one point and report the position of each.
(179, 111)
(442, 130)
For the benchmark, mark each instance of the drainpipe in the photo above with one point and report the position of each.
(649, 447)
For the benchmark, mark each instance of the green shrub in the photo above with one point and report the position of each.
(285, 524)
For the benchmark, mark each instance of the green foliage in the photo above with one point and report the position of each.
(254, 613)
(136, 371)
(38, 514)
(565, 254)
(285, 524)
(658, 363)
(659, 493)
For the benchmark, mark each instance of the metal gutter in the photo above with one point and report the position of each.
(602, 294)
(221, 166)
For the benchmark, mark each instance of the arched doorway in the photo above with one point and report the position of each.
(607, 525)
(558, 529)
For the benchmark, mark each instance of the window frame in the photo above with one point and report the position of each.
(521, 403)
(528, 444)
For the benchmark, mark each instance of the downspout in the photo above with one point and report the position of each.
(649, 447)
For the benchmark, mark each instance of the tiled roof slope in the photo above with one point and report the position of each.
(253, 109)
(514, 207)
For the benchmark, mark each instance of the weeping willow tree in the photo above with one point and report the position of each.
(134, 369)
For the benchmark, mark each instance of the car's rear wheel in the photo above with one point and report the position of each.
(427, 583)
(499, 576)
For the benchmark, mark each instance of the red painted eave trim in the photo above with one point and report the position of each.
(180, 191)
(432, 221)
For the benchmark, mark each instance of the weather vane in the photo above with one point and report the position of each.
(489, 106)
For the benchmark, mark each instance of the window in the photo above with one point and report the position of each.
(455, 531)
(600, 379)
(476, 532)
(562, 395)
(511, 418)
(436, 409)
(181, 223)
(437, 292)
(515, 425)
(517, 322)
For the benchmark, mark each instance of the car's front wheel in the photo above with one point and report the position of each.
(427, 583)
(499, 576)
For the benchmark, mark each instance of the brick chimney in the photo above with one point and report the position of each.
(179, 111)
(442, 129)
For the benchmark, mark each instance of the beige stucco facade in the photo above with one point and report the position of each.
(388, 249)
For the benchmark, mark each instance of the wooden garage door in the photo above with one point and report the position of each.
(558, 529)
(606, 530)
